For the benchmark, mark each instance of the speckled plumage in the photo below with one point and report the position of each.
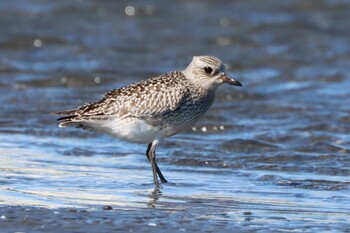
(146, 98)
(149, 110)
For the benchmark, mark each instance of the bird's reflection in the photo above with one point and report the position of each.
(154, 197)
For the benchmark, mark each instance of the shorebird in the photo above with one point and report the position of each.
(150, 110)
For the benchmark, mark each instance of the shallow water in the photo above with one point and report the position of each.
(271, 156)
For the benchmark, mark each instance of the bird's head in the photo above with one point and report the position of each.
(208, 72)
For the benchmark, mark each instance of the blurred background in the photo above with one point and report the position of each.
(272, 155)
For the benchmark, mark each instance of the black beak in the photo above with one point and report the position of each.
(229, 80)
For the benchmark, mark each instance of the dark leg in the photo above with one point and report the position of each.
(152, 157)
(151, 153)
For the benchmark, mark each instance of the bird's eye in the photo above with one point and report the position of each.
(208, 70)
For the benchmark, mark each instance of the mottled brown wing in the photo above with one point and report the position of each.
(146, 98)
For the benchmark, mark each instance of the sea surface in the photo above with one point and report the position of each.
(271, 156)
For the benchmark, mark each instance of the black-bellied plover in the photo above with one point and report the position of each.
(152, 109)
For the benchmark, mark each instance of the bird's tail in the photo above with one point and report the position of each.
(69, 121)
(68, 118)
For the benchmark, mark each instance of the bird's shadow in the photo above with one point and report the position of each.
(154, 197)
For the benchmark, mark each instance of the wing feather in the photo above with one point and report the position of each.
(151, 97)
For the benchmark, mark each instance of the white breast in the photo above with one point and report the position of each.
(129, 129)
